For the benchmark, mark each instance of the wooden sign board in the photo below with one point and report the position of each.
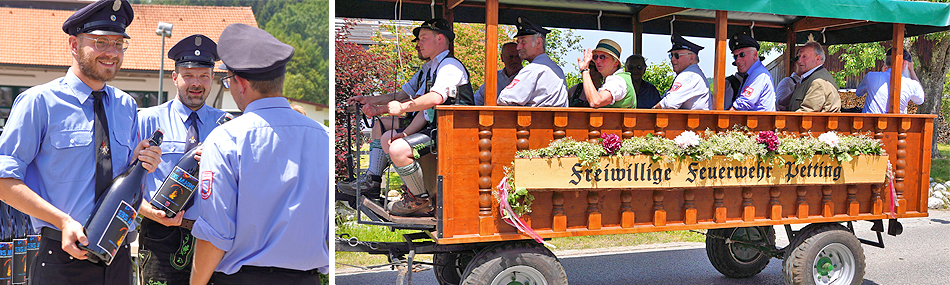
(640, 172)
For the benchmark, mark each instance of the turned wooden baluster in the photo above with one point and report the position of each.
(806, 126)
(899, 172)
(593, 211)
(718, 207)
(828, 208)
(689, 210)
(877, 196)
(692, 122)
(802, 203)
(722, 121)
(780, 123)
(748, 210)
(626, 210)
(487, 223)
(523, 133)
(832, 123)
(662, 121)
(596, 121)
(659, 214)
(629, 122)
(853, 205)
(557, 198)
(876, 201)
(774, 203)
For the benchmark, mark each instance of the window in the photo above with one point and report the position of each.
(145, 99)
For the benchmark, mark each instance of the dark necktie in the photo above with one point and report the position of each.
(190, 142)
(192, 124)
(103, 151)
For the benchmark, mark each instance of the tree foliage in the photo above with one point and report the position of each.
(661, 75)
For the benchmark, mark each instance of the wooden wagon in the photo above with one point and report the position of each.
(473, 245)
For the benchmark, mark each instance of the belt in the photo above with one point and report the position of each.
(251, 269)
(187, 224)
(51, 233)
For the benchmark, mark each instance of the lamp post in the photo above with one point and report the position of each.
(165, 31)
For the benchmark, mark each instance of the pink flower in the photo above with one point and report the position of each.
(829, 138)
(687, 139)
(610, 142)
(769, 139)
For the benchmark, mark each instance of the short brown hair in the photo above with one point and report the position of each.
(268, 87)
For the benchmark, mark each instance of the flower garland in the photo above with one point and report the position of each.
(738, 144)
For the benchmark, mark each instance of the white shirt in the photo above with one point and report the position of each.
(690, 90)
(876, 87)
(451, 74)
(616, 86)
(539, 84)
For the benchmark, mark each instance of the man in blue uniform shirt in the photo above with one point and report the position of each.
(541, 82)
(264, 181)
(757, 92)
(690, 90)
(66, 140)
(166, 246)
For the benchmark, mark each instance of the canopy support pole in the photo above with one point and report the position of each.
(491, 52)
(897, 66)
(790, 49)
(637, 30)
(722, 22)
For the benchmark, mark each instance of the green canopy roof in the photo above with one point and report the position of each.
(846, 21)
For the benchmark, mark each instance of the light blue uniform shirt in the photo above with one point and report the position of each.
(757, 93)
(48, 142)
(171, 117)
(538, 84)
(264, 189)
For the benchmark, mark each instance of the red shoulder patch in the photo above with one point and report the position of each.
(676, 86)
(748, 92)
(512, 84)
(206, 179)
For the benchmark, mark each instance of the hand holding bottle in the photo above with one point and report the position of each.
(72, 233)
(150, 156)
(158, 216)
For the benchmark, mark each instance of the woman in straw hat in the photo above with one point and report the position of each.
(617, 90)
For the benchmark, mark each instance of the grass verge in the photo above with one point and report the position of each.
(940, 167)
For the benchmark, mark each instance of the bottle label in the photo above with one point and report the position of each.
(176, 190)
(117, 229)
(6, 262)
(32, 250)
(19, 261)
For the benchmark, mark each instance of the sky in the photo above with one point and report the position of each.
(655, 49)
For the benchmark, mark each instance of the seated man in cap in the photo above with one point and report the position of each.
(876, 87)
(436, 83)
(509, 56)
(166, 245)
(689, 90)
(617, 90)
(64, 143)
(541, 83)
(757, 93)
(818, 91)
(263, 203)
(647, 95)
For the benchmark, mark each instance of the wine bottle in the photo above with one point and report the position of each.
(6, 245)
(180, 184)
(115, 211)
(19, 247)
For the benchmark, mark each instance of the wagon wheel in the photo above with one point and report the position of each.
(729, 252)
(521, 262)
(449, 267)
(824, 254)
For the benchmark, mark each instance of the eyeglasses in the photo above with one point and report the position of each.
(737, 56)
(599, 56)
(795, 59)
(639, 67)
(226, 81)
(677, 55)
(103, 44)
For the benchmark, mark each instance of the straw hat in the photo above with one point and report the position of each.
(610, 47)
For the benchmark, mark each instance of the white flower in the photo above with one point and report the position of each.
(829, 138)
(687, 139)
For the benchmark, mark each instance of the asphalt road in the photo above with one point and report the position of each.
(921, 255)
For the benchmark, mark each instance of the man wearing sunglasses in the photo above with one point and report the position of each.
(876, 87)
(690, 90)
(818, 91)
(541, 82)
(756, 92)
(166, 247)
(647, 94)
(65, 142)
(509, 56)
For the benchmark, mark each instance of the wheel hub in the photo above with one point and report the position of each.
(824, 266)
(519, 275)
(834, 264)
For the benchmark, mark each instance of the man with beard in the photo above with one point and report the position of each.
(65, 141)
(165, 249)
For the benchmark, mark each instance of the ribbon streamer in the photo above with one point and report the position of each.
(890, 180)
(513, 219)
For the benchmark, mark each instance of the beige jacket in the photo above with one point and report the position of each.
(817, 93)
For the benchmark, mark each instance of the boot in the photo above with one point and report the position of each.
(412, 206)
(368, 184)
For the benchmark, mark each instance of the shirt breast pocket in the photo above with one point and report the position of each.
(73, 159)
(125, 145)
(172, 148)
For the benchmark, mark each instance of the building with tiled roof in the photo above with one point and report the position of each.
(34, 49)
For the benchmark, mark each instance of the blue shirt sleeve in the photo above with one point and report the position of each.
(20, 141)
(217, 195)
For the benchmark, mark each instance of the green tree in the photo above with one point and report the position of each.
(661, 75)
(303, 25)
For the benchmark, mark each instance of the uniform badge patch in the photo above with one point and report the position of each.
(512, 84)
(206, 178)
(747, 92)
(676, 86)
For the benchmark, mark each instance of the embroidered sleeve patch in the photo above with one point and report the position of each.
(676, 86)
(512, 84)
(206, 178)
(748, 92)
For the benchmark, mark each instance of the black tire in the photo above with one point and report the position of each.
(449, 267)
(737, 260)
(824, 254)
(522, 260)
